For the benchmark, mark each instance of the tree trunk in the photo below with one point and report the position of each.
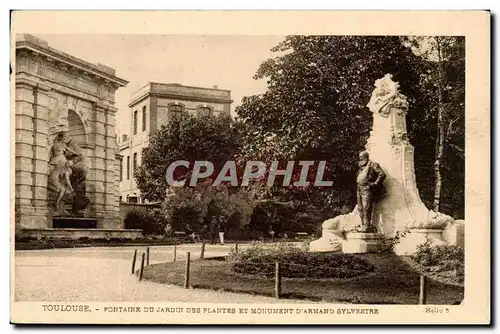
(440, 132)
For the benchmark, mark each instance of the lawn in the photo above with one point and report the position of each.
(394, 281)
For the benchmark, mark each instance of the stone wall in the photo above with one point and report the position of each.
(31, 154)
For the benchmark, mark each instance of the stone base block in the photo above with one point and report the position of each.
(329, 242)
(454, 234)
(110, 222)
(77, 233)
(33, 219)
(409, 243)
(73, 222)
(362, 243)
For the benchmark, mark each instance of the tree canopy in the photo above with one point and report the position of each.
(315, 104)
(315, 107)
(214, 139)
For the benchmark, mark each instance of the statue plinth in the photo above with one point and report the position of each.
(401, 209)
(359, 242)
(416, 237)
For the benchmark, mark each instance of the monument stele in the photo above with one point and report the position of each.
(401, 209)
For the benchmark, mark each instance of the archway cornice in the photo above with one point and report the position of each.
(70, 64)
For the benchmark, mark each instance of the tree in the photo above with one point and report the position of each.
(315, 104)
(444, 82)
(214, 139)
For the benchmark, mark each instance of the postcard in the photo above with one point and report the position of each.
(250, 167)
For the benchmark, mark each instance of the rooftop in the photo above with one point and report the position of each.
(180, 91)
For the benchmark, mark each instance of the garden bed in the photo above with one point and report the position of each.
(444, 263)
(393, 281)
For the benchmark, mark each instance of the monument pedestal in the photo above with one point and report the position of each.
(409, 243)
(358, 242)
(401, 208)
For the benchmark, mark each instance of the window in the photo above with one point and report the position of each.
(135, 163)
(132, 199)
(121, 169)
(135, 122)
(175, 111)
(204, 111)
(144, 118)
(128, 168)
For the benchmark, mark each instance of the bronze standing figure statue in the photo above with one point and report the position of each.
(370, 189)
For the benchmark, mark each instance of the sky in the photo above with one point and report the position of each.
(229, 62)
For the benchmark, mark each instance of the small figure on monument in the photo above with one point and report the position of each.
(370, 189)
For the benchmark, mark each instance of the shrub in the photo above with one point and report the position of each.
(183, 210)
(150, 221)
(388, 244)
(441, 258)
(191, 209)
(260, 259)
(243, 234)
(287, 217)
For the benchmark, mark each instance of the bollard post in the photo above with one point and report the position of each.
(175, 253)
(202, 253)
(147, 256)
(236, 248)
(277, 281)
(186, 277)
(422, 298)
(142, 268)
(133, 261)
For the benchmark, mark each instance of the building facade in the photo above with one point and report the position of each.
(155, 105)
(62, 99)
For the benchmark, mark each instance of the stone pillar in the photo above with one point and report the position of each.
(118, 166)
(111, 179)
(100, 164)
(103, 181)
(31, 155)
(95, 180)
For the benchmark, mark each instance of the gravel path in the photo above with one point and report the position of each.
(104, 274)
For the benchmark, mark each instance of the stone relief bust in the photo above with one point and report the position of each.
(386, 95)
